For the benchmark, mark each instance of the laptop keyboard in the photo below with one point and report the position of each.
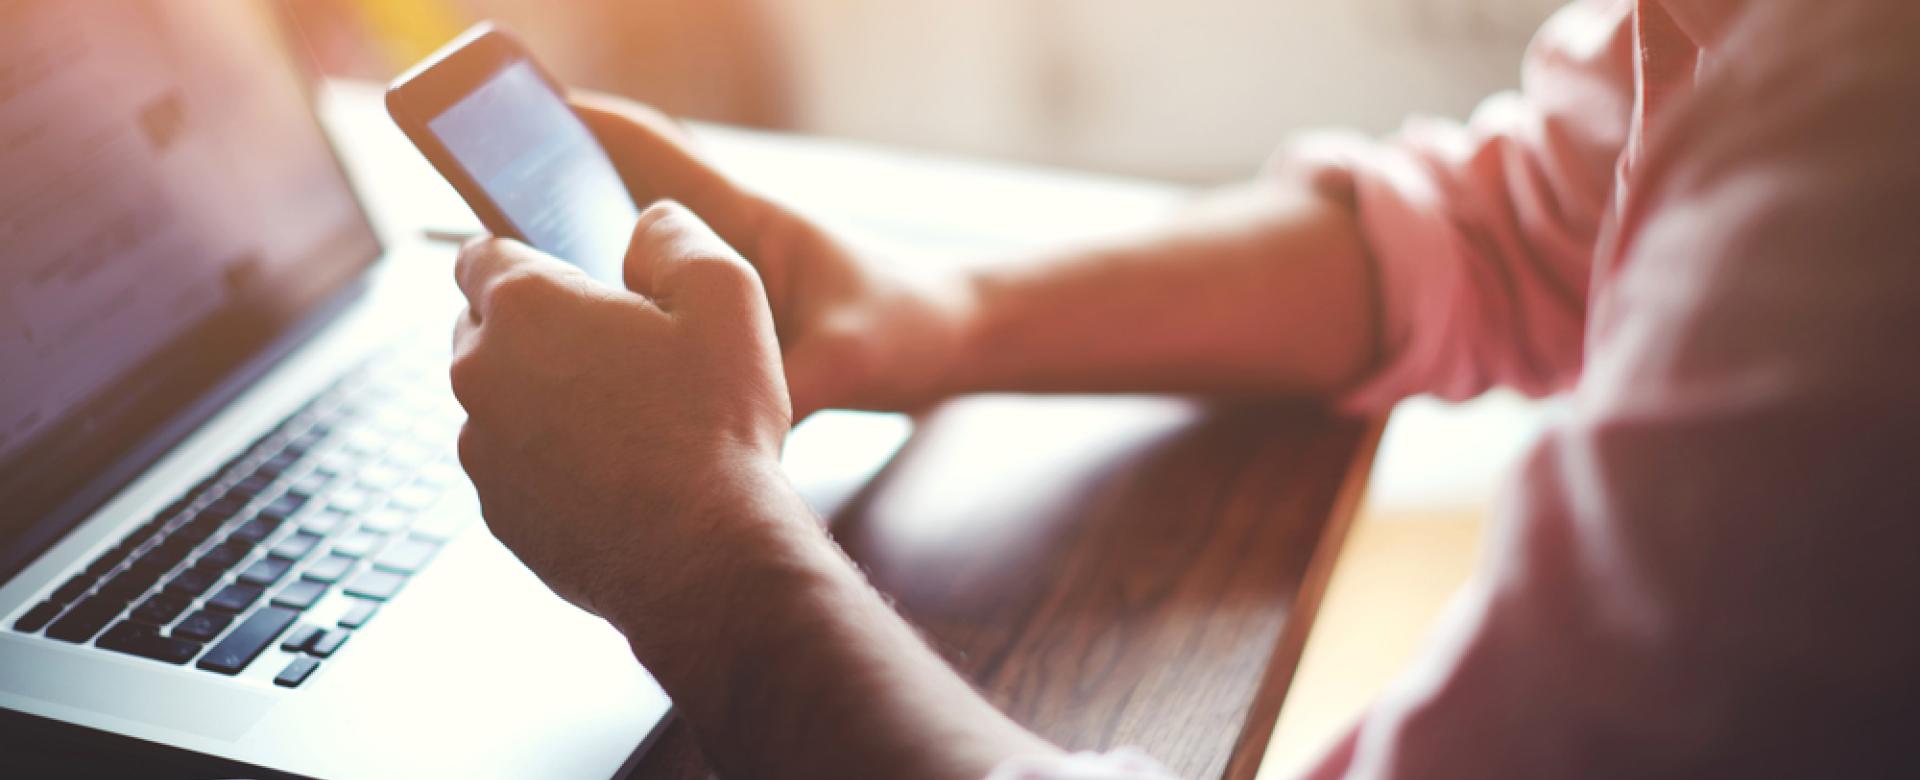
(299, 539)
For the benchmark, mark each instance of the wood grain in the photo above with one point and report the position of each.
(1110, 571)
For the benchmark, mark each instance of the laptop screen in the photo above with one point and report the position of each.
(169, 209)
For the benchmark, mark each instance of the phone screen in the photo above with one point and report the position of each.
(542, 168)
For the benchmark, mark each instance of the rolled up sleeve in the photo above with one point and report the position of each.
(1482, 233)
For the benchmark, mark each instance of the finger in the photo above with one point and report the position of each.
(483, 262)
(465, 326)
(466, 372)
(809, 372)
(679, 262)
(658, 161)
(476, 457)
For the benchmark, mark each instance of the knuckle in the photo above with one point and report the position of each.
(463, 374)
(514, 291)
(660, 223)
(470, 252)
(468, 448)
(474, 255)
(726, 272)
(665, 210)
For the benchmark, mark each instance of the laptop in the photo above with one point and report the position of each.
(231, 518)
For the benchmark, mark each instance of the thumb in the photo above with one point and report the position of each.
(690, 273)
(813, 378)
(657, 160)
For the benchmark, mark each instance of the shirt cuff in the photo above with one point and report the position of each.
(1405, 232)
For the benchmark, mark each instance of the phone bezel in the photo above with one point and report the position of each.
(442, 79)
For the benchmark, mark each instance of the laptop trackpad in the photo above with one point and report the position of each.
(98, 690)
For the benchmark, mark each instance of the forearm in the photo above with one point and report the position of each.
(1263, 289)
(792, 666)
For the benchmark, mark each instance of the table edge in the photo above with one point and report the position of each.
(1250, 749)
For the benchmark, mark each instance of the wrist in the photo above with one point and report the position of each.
(973, 296)
(786, 660)
(690, 619)
(954, 304)
(906, 344)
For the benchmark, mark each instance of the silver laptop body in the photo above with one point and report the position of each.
(223, 410)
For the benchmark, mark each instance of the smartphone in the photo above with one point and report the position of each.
(497, 125)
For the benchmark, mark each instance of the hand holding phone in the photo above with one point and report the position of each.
(497, 126)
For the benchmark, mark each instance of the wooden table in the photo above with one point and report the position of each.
(1109, 571)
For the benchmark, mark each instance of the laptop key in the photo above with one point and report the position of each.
(191, 535)
(296, 672)
(278, 464)
(147, 642)
(255, 531)
(324, 523)
(238, 497)
(167, 555)
(203, 625)
(377, 585)
(358, 614)
(161, 608)
(247, 640)
(416, 497)
(235, 598)
(320, 431)
(407, 556)
(37, 618)
(199, 528)
(130, 583)
(298, 446)
(143, 533)
(285, 506)
(359, 544)
(300, 594)
(380, 477)
(223, 556)
(364, 441)
(442, 475)
(86, 619)
(385, 521)
(173, 550)
(351, 501)
(266, 571)
(71, 589)
(333, 464)
(245, 491)
(440, 526)
(326, 644)
(296, 546)
(109, 559)
(329, 569)
(297, 639)
(312, 483)
(194, 581)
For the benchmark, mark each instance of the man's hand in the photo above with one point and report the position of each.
(625, 444)
(855, 332)
(612, 433)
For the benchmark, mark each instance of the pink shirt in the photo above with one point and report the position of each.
(1703, 218)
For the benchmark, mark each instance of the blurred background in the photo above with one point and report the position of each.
(1188, 90)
